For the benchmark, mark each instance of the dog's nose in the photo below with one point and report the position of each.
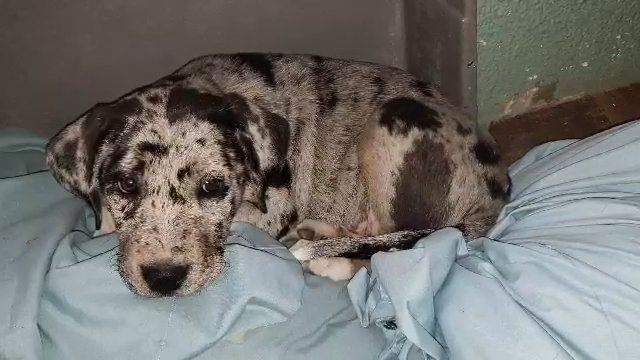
(164, 279)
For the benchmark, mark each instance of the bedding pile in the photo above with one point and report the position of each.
(558, 277)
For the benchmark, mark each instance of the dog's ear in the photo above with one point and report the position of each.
(71, 156)
(72, 153)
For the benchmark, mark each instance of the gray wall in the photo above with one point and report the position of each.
(441, 46)
(60, 57)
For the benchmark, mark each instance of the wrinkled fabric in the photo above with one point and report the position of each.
(558, 277)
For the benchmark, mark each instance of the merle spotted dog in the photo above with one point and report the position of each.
(349, 158)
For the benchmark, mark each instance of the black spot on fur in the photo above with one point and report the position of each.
(278, 177)
(175, 196)
(496, 189)
(486, 153)
(379, 85)
(260, 64)
(365, 251)
(126, 108)
(462, 130)
(188, 101)
(201, 141)
(106, 123)
(400, 115)
(425, 88)
(325, 86)
(219, 229)
(286, 221)
(154, 99)
(462, 227)
(248, 153)
(67, 158)
(184, 172)
(236, 141)
(111, 169)
(331, 101)
(130, 208)
(422, 188)
(153, 149)
(278, 129)
(174, 78)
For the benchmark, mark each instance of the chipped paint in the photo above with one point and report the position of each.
(582, 47)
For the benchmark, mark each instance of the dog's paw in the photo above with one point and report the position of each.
(333, 268)
(313, 230)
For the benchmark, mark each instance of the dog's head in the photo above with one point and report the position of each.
(171, 164)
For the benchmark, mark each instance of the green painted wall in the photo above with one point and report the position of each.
(563, 48)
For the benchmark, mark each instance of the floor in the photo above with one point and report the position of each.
(578, 118)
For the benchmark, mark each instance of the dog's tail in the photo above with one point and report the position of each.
(358, 248)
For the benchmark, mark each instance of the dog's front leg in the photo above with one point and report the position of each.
(312, 230)
(281, 212)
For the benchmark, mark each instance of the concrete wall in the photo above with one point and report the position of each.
(441, 46)
(60, 57)
(536, 51)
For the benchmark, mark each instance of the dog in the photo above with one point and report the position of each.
(341, 159)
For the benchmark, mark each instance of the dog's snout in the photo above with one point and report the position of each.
(164, 279)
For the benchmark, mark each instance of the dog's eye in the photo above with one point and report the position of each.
(214, 188)
(127, 184)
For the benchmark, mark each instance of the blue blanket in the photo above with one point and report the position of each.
(558, 277)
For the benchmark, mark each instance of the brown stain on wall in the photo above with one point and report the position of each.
(574, 119)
